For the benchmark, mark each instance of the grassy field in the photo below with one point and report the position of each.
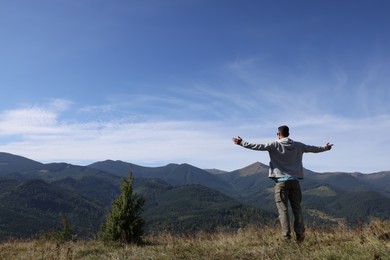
(369, 242)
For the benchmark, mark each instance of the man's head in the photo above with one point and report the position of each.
(283, 131)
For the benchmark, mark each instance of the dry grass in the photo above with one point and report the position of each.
(370, 242)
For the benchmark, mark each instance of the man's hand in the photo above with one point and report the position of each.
(237, 140)
(328, 146)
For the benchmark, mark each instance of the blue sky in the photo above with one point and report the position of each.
(157, 82)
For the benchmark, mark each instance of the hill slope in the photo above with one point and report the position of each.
(191, 208)
(13, 164)
(255, 242)
(28, 208)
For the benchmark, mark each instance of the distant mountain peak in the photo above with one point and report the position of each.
(252, 169)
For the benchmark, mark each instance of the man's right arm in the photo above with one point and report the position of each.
(260, 147)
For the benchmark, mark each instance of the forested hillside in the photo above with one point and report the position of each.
(179, 197)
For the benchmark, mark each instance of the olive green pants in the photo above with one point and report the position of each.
(285, 192)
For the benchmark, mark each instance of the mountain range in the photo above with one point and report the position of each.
(179, 197)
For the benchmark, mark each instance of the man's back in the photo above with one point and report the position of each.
(285, 156)
(286, 159)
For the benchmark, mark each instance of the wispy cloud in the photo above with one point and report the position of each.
(28, 120)
(43, 136)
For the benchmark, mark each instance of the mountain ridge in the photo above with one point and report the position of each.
(175, 174)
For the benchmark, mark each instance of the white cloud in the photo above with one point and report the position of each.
(28, 120)
(39, 133)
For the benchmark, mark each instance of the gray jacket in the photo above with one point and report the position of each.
(286, 156)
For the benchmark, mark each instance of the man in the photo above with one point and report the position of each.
(286, 169)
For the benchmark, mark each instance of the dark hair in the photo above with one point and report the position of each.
(284, 130)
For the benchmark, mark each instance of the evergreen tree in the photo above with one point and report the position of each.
(124, 222)
(66, 233)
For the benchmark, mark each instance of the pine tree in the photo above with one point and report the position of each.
(124, 222)
(66, 233)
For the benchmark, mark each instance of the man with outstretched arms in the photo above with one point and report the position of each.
(286, 170)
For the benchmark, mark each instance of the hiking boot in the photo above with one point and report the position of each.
(300, 238)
